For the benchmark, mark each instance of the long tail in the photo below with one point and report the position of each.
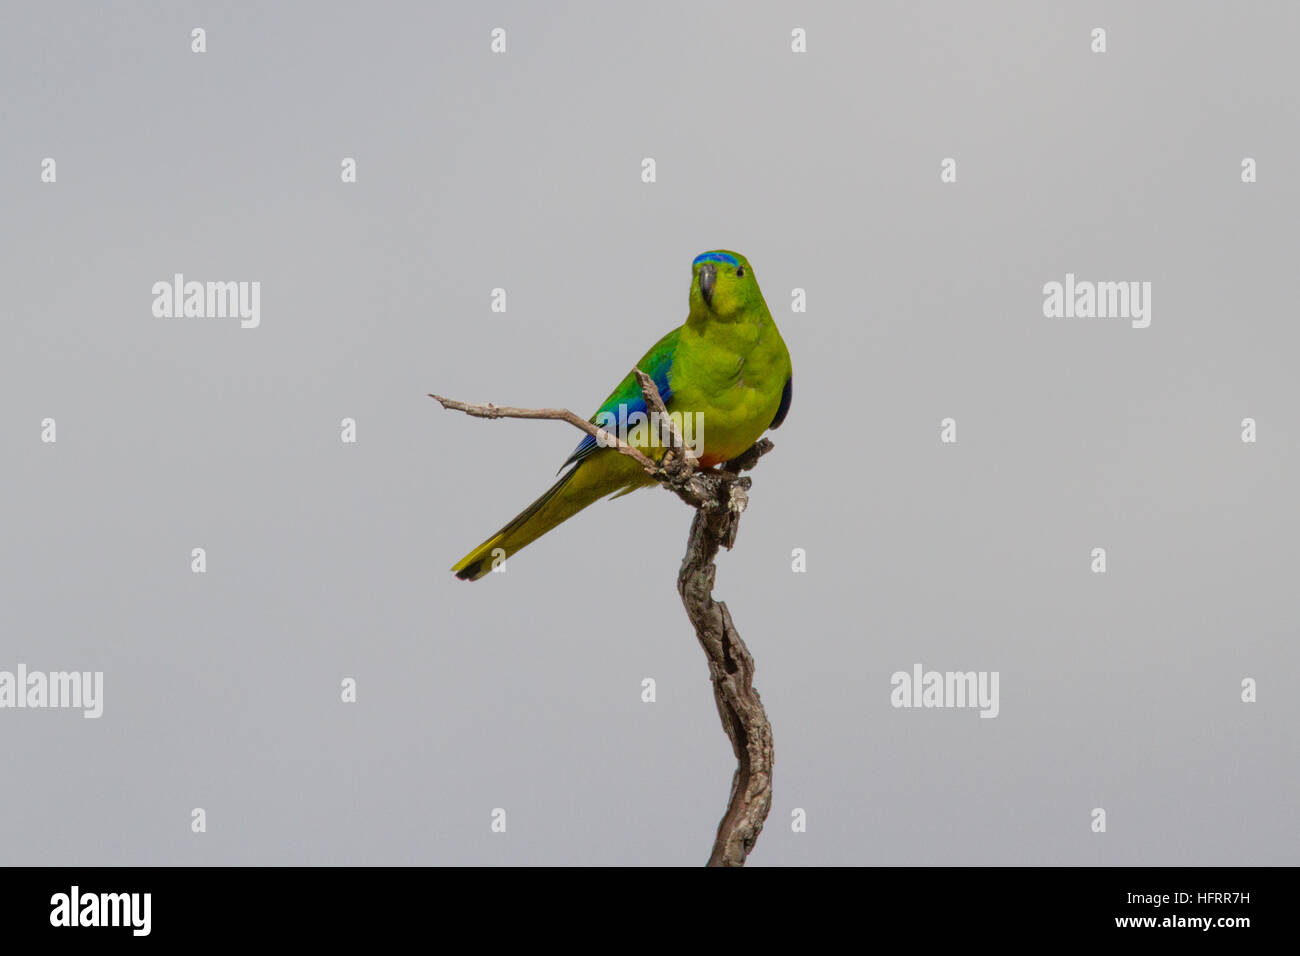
(584, 483)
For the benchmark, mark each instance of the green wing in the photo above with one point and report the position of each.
(654, 363)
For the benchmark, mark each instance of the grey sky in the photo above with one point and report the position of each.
(521, 171)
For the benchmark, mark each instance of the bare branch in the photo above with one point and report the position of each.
(719, 496)
(731, 666)
(553, 414)
(655, 402)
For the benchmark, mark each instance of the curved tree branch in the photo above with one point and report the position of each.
(557, 414)
(718, 495)
(731, 666)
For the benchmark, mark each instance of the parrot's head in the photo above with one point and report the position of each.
(722, 285)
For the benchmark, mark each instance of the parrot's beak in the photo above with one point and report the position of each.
(708, 276)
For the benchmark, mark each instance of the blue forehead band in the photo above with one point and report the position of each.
(715, 257)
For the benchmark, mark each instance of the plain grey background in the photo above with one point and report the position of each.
(522, 171)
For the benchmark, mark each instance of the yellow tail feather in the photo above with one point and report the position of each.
(601, 474)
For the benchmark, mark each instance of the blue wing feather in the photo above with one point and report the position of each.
(655, 364)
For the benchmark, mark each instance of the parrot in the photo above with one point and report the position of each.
(726, 366)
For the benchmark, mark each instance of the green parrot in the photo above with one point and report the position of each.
(726, 367)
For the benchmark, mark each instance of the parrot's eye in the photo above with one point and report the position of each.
(740, 273)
